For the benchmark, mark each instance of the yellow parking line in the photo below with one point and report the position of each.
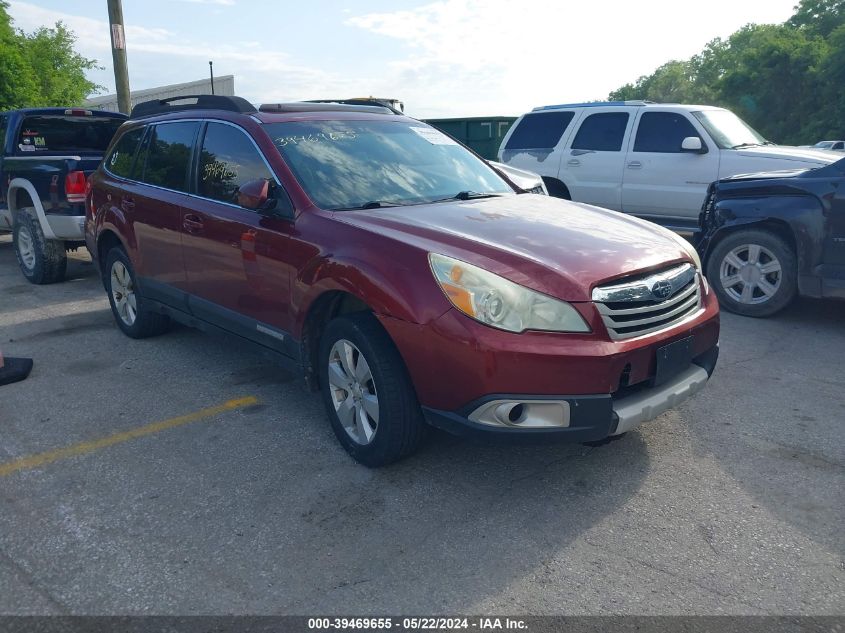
(40, 459)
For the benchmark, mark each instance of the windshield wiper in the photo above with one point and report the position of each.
(467, 195)
(372, 204)
(744, 145)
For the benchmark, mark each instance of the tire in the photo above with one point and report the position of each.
(753, 272)
(131, 314)
(397, 426)
(41, 261)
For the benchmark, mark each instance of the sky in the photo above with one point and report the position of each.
(447, 58)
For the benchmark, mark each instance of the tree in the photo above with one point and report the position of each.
(784, 79)
(42, 68)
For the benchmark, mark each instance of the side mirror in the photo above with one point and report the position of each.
(254, 194)
(693, 145)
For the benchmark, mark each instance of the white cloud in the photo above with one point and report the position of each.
(477, 57)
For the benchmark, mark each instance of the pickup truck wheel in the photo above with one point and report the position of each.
(41, 261)
(367, 391)
(127, 305)
(753, 272)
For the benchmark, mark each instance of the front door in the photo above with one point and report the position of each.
(236, 258)
(660, 179)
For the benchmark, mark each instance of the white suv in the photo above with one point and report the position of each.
(652, 160)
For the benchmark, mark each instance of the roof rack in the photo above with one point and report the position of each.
(364, 101)
(320, 106)
(593, 104)
(194, 102)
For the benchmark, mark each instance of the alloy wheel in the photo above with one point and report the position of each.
(353, 392)
(26, 247)
(750, 274)
(123, 293)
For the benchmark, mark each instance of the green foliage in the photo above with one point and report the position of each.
(42, 68)
(784, 79)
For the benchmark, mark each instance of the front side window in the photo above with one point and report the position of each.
(122, 158)
(539, 130)
(602, 132)
(350, 164)
(168, 154)
(228, 160)
(58, 134)
(663, 132)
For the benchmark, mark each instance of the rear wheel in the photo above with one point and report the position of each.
(41, 261)
(128, 307)
(367, 391)
(753, 272)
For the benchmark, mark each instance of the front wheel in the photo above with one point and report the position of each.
(367, 391)
(753, 272)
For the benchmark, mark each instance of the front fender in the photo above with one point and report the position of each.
(802, 215)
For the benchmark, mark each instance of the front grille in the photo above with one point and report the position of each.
(649, 303)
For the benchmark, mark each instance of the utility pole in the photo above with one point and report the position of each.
(118, 53)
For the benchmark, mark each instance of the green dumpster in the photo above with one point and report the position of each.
(483, 134)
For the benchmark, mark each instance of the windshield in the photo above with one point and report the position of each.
(59, 134)
(355, 164)
(728, 130)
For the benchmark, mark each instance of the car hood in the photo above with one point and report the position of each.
(807, 156)
(553, 246)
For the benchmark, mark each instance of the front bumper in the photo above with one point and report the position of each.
(590, 417)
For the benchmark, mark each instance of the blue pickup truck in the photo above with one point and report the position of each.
(47, 155)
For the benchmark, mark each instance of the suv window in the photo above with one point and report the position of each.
(540, 130)
(122, 158)
(602, 132)
(4, 122)
(229, 159)
(663, 132)
(169, 153)
(67, 133)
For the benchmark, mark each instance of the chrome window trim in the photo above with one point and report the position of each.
(193, 195)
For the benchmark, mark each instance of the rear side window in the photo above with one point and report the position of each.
(663, 132)
(4, 122)
(66, 134)
(602, 132)
(539, 130)
(229, 159)
(169, 153)
(122, 158)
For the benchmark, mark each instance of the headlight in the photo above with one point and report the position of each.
(495, 301)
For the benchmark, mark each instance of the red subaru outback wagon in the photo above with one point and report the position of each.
(409, 280)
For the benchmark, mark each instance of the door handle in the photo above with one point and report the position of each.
(634, 164)
(574, 162)
(192, 224)
(127, 204)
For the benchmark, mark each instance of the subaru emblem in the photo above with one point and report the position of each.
(661, 289)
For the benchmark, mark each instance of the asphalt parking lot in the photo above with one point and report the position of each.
(240, 500)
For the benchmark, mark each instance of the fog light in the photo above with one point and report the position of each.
(526, 414)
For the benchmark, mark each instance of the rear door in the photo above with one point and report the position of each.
(534, 141)
(155, 208)
(660, 180)
(236, 258)
(594, 159)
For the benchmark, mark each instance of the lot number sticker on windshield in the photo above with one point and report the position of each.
(435, 137)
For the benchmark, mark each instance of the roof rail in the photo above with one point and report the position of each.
(195, 102)
(332, 106)
(364, 101)
(593, 104)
